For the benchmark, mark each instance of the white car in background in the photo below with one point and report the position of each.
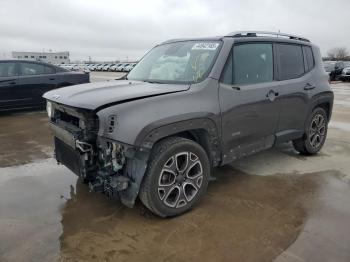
(67, 66)
(122, 67)
(129, 68)
(94, 67)
(105, 67)
(76, 67)
(345, 75)
(113, 67)
(100, 67)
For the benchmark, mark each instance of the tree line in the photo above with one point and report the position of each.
(338, 54)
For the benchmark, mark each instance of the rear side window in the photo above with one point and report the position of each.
(35, 69)
(290, 60)
(252, 63)
(7, 69)
(309, 58)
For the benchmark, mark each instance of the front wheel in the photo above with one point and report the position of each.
(315, 134)
(176, 177)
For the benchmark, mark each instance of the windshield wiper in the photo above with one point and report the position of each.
(152, 81)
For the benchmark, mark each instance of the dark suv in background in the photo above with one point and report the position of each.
(335, 69)
(190, 105)
(22, 83)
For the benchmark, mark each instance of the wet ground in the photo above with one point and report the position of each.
(276, 205)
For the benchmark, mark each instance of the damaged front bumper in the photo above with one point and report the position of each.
(113, 168)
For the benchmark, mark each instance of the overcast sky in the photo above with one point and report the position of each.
(111, 29)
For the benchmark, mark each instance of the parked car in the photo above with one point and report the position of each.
(100, 67)
(93, 67)
(107, 67)
(190, 105)
(335, 69)
(22, 83)
(122, 67)
(67, 66)
(113, 68)
(129, 68)
(345, 76)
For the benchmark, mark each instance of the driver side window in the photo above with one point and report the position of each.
(249, 63)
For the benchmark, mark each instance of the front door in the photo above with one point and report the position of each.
(8, 83)
(247, 99)
(34, 80)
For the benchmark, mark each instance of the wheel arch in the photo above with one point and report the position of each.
(200, 130)
(323, 100)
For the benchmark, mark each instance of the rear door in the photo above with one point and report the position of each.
(8, 84)
(295, 88)
(247, 100)
(34, 80)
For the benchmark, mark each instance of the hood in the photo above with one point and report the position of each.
(94, 95)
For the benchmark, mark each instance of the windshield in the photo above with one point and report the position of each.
(180, 62)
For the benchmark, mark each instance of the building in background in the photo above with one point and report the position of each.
(48, 57)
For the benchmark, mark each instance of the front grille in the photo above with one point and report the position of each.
(67, 156)
(68, 118)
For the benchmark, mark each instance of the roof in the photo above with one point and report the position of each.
(23, 60)
(247, 35)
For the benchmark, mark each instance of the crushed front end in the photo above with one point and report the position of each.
(108, 166)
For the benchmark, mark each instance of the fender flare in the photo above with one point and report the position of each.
(137, 162)
(321, 98)
(165, 128)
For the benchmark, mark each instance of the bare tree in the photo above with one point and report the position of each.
(338, 53)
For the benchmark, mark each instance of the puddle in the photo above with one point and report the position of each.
(52, 216)
(24, 138)
(30, 217)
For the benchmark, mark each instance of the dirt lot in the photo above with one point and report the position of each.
(276, 205)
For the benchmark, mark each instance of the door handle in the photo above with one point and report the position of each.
(52, 78)
(236, 88)
(308, 86)
(12, 83)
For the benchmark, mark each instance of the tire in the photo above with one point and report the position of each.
(315, 133)
(176, 177)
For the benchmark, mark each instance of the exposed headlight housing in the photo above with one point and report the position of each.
(49, 109)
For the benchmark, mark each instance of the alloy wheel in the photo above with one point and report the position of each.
(317, 130)
(180, 179)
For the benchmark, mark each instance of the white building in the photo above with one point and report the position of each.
(48, 57)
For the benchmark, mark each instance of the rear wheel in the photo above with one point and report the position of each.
(176, 178)
(315, 134)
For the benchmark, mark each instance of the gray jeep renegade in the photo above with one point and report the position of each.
(190, 105)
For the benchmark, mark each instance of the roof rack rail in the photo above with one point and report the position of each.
(266, 34)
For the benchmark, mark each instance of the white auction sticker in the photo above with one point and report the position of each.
(205, 46)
